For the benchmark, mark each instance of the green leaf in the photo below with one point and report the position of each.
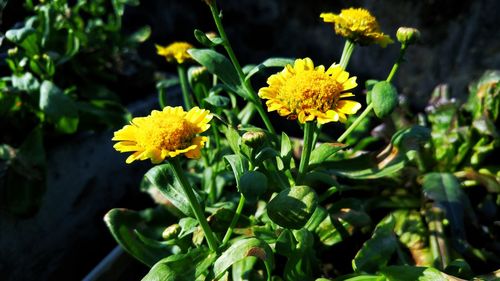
(384, 98)
(110, 114)
(238, 165)
(140, 35)
(404, 144)
(218, 65)
(324, 152)
(271, 62)
(160, 178)
(119, 5)
(252, 185)
(444, 189)
(122, 223)
(413, 273)
(293, 207)
(58, 107)
(240, 250)
(205, 41)
(244, 270)
(26, 82)
(233, 139)
(26, 37)
(23, 183)
(182, 267)
(302, 261)
(377, 251)
(217, 101)
(286, 150)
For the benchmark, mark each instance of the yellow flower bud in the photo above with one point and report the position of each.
(171, 232)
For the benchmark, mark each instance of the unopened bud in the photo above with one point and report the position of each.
(12, 52)
(196, 73)
(254, 139)
(408, 35)
(171, 232)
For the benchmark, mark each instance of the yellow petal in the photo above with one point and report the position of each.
(348, 106)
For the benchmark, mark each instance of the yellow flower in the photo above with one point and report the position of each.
(307, 93)
(357, 25)
(164, 134)
(175, 52)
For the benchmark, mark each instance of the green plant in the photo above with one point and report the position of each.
(264, 206)
(62, 61)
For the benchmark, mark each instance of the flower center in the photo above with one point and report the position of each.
(359, 19)
(310, 90)
(167, 132)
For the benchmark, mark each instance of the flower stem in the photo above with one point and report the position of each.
(346, 53)
(395, 67)
(367, 110)
(309, 131)
(344, 60)
(181, 70)
(195, 205)
(355, 123)
(236, 216)
(254, 97)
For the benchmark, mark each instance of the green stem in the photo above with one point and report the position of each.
(162, 99)
(344, 60)
(254, 97)
(395, 67)
(309, 130)
(367, 110)
(235, 219)
(346, 53)
(195, 205)
(181, 70)
(355, 123)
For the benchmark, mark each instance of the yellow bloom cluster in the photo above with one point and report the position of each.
(306, 92)
(175, 52)
(357, 25)
(164, 134)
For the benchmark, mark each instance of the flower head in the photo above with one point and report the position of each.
(306, 92)
(164, 134)
(175, 52)
(357, 25)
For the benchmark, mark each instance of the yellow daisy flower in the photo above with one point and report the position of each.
(306, 92)
(357, 25)
(175, 52)
(164, 134)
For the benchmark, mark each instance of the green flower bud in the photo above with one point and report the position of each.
(13, 51)
(171, 232)
(408, 35)
(254, 139)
